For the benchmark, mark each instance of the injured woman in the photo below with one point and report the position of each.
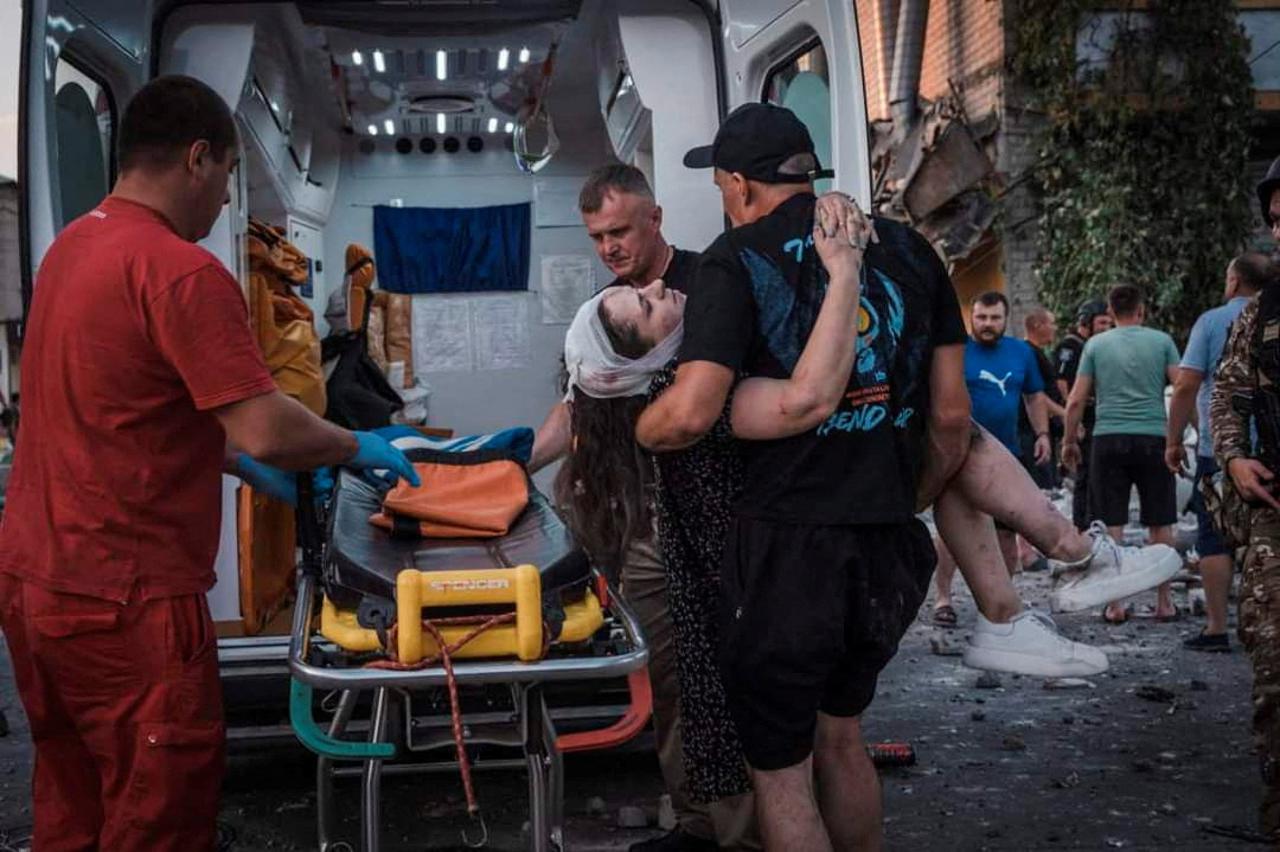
(620, 354)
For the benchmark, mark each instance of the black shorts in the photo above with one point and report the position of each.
(811, 615)
(1119, 462)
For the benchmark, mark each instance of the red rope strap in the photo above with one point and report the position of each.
(445, 658)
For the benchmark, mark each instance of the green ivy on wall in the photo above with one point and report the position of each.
(1142, 158)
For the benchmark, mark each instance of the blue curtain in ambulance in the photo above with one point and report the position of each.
(452, 249)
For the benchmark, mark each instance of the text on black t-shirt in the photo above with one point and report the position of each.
(757, 294)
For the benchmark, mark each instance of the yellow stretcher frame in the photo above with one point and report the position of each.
(520, 587)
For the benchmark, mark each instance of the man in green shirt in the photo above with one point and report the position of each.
(1126, 369)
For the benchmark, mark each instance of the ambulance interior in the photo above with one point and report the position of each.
(344, 107)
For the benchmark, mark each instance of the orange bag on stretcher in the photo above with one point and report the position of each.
(463, 495)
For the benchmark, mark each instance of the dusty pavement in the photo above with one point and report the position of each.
(1110, 765)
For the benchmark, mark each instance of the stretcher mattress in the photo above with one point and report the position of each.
(364, 560)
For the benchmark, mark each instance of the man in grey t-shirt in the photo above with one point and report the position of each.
(1127, 369)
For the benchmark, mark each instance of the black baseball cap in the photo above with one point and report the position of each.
(755, 140)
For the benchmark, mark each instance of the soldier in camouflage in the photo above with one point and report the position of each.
(1247, 394)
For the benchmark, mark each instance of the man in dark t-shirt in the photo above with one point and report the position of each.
(1041, 328)
(825, 564)
(1091, 319)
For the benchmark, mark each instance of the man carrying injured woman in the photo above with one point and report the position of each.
(622, 344)
(607, 485)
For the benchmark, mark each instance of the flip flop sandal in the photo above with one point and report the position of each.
(945, 616)
(1128, 613)
(1149, 613)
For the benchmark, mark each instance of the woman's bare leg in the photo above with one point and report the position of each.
(1007, 637)
(944, 575)
(994, 482)
(970, 536)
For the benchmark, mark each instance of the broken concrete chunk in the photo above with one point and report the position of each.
(1068, 683)
(1071, 780)
(1150, 692)
(944, 647)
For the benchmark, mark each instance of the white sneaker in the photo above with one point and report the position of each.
(1112, 572)
(1031, 645)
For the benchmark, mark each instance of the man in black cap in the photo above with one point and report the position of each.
(825, 565)
(1091, 319)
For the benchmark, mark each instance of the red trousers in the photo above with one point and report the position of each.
(126, 717)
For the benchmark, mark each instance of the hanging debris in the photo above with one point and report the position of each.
(938, 176)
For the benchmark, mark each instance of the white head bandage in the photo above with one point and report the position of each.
(596, 370)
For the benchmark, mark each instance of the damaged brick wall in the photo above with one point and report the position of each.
(1019, 209)
(875, 70)
(1019, 221)
(964, 43)
(965, 47)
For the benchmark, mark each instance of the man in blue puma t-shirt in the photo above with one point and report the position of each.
(1001, 373)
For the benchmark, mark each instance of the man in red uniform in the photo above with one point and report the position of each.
(142, 383)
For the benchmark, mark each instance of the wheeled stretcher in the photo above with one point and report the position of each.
(384, 623)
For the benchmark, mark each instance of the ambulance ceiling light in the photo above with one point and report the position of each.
(493, 125)
(504, 59)
(389, 126)
(510, 127)
(373, 130)
(524, 55)
(430, 104)
(442, 65)
(379, 62)
(440, 122)
(357, 58)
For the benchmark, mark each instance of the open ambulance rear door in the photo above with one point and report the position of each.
(80, 63)
(805, 56)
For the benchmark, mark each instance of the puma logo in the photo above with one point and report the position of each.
(987, 375)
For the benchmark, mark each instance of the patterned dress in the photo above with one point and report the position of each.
(696, 490)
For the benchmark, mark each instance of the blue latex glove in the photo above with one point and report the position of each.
(282, 484)
(375, 453)
(272, 481)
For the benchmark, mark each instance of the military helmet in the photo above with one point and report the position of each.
(1090, 309)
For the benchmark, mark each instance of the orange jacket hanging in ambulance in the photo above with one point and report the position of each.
(283, 322)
